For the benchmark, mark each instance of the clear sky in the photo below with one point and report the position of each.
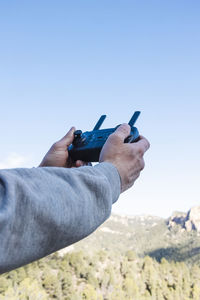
(65, 63)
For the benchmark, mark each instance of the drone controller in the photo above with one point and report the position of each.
(87, 146)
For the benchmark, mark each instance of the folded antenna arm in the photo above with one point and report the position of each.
(134, 118)
(100, 122)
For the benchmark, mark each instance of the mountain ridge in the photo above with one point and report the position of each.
(149, 235)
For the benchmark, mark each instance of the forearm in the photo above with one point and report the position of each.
(45, 209)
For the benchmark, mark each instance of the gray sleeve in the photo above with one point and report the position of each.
(45, 209)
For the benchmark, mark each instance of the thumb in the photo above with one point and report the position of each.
(122, 132)
(67, 139)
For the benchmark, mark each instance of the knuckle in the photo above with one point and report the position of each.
(142, 164)
(138, 160)
(129, 180)
(147, 145)
(139, 150)
(134, 153)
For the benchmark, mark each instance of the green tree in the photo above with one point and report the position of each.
(89, 293)
(131, 255)
(131, 289)
(27, 289)
(117, 294)
(52, 285)
(4, 284)
(195, 292)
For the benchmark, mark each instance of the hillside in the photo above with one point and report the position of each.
(146, 235)
(127, 258)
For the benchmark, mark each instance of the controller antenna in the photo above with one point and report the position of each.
(100, 122)
(134, 118)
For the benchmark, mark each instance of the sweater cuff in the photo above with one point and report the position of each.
(113, 177)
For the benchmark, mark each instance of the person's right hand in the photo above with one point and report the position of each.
(126, 157)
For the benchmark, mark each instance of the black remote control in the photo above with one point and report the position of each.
(87, 146)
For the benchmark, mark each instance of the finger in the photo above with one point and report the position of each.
(122, 132)
(68, 138)
(143, 144)
(79, 163)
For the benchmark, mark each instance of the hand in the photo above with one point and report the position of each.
(58, 155)
(127, 158)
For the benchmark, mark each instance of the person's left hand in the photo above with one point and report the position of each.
(58, 155)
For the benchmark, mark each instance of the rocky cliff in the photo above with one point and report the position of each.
(188, 221)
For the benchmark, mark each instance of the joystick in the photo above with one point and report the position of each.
(87, 146)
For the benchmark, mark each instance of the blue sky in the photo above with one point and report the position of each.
(65, 63)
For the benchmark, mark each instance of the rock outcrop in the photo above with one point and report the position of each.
(188, 221)
(193, 219)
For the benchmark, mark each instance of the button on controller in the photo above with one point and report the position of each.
(77, 133)
(79, 138)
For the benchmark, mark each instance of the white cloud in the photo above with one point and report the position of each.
(15, 160)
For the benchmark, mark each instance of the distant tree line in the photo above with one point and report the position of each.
(104, 275)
